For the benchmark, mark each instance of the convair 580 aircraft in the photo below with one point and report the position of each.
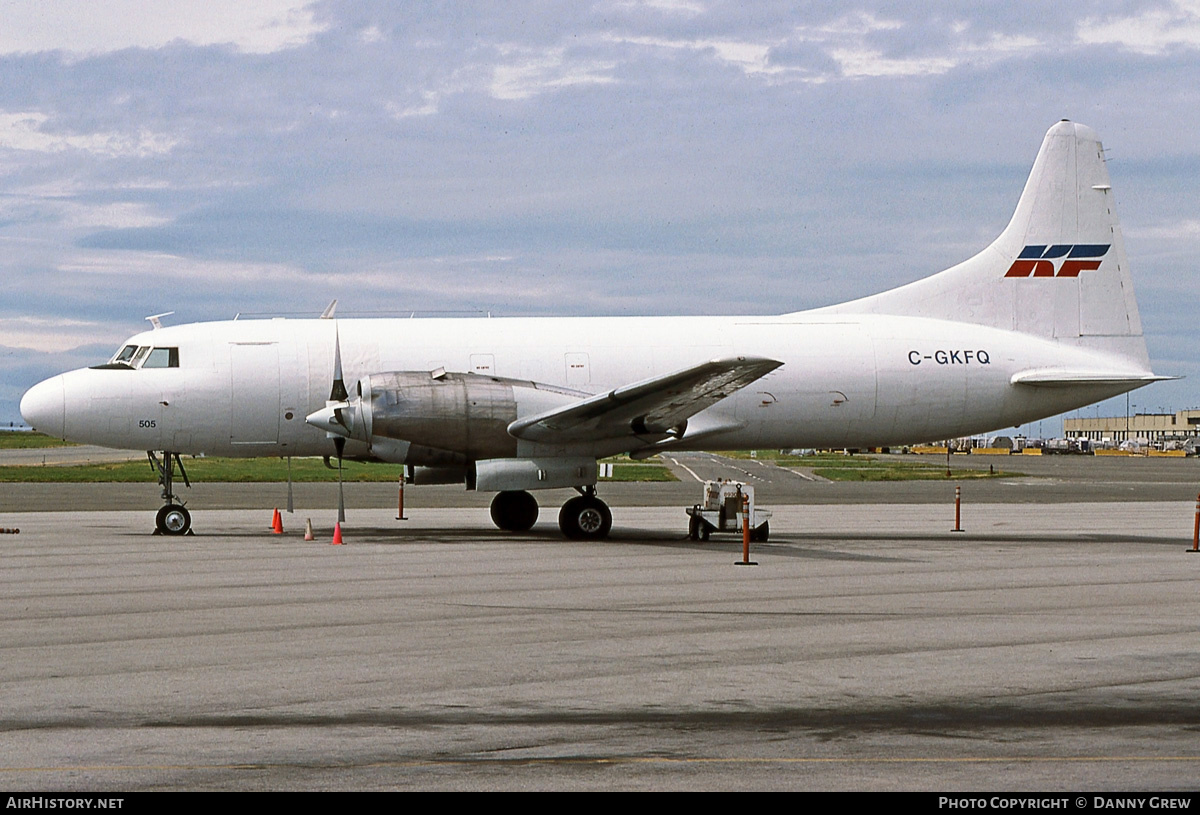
(1042, 321)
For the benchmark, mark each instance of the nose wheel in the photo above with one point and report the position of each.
(172, 518)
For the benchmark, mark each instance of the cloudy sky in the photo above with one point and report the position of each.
(612, 157)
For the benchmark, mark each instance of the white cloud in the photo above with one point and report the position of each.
(116, 215)
(25, 131)
(751, 57)
(371, 34)
(856, 24)
(89, 27)
(864, 63)
(688, 7)
(844, 40)
(1151, 32)
(149, 265)
(529, 72)
(428, 107)
(55, 334)
(1188, 229)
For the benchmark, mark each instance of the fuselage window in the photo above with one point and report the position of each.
(125, 354)
(162, 358)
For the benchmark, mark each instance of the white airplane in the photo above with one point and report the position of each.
(1042, 321)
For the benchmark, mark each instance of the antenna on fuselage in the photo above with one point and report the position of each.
(327, 314)
(156, 319)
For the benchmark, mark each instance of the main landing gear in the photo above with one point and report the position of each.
(173, 518)
(584, 517)
(514, 510)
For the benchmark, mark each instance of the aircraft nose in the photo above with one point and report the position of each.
(44, 407)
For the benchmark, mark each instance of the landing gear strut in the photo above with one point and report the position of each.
(172, 518)
(585, 517)
(514, 510)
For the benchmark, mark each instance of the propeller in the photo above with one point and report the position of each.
(338, 395)
(335, 419)
(342, 417)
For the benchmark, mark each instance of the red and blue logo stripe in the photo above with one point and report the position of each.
(1059, 260)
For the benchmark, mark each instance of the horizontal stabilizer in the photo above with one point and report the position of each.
(659, 406)
(1058, 378)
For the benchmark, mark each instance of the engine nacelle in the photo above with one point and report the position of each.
(465, 414)
(438, 419)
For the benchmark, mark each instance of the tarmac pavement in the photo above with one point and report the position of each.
(1051, 646)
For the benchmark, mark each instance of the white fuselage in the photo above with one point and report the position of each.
(243, 388)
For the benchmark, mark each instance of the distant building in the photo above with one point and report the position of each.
(1154, 427)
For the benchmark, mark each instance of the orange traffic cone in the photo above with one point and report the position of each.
(308, 533)
(337, 535)
(277, 523)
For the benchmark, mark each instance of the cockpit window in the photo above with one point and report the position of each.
(162, 358)
(142, 356)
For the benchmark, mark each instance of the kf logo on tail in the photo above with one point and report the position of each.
(1038, 261)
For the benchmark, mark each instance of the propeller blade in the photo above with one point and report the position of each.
(338, 394)
(339, 444)
(336, 418)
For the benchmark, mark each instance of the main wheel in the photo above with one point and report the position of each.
(585, 518)
(173, 519)
(514, 511)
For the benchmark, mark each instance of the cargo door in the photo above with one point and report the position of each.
(254, 393)
(578, 370)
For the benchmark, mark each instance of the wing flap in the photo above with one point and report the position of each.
(658, 407)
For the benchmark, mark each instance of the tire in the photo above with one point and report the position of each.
(585, 518)
(761, 532)
(514, 511)
(693, 528)
(173, 519)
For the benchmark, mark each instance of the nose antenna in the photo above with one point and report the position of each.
(156, 319)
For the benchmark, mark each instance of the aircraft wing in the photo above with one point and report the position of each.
(659, 406)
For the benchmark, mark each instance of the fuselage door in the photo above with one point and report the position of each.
(483, 364)
(579, 372)
(254, 390)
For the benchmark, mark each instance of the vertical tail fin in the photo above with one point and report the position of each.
(1058, 270)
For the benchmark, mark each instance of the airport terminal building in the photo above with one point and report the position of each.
(1153, 427)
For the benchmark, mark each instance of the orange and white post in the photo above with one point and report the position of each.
(745, 561)
(1196, 529)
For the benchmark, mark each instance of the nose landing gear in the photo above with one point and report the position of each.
(173, 518)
